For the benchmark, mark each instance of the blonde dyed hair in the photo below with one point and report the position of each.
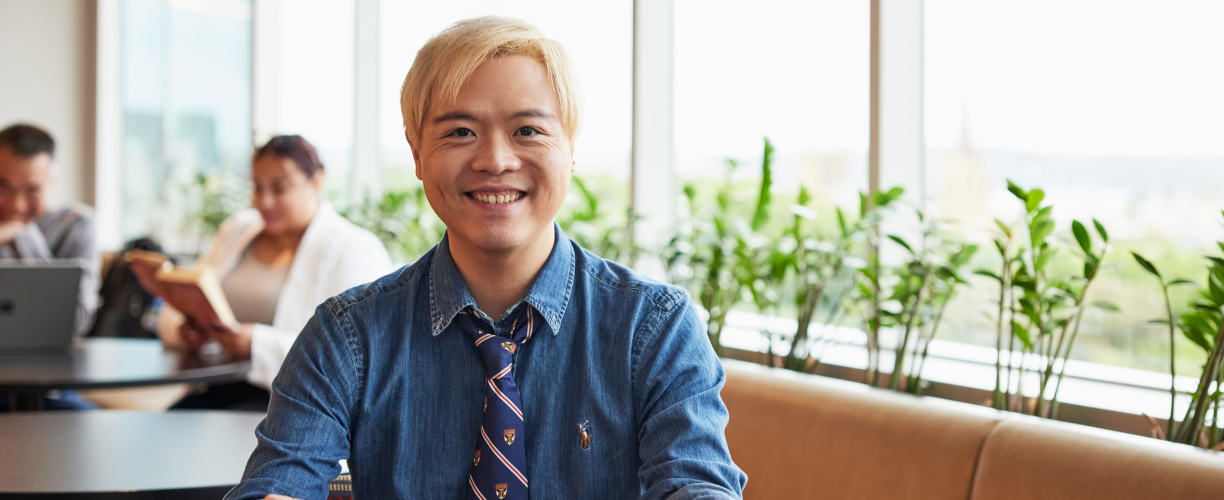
(448, 59)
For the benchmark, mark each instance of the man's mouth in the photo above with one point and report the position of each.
(497, 197)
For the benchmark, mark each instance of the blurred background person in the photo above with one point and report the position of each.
(277, 262)
(29, 230)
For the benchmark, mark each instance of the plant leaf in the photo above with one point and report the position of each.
(901, 242)
(1181, 281)
(1041, 230)
(1146, 265)
(1034, 199)
(1081, 236)
(1101, 230)
(1003, 227)
(987, 273)
(1023, 334)
(761, 215)
(1016, 190)
(1106, 306)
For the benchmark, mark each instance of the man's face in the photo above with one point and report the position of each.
(22, 181)
(496, 164)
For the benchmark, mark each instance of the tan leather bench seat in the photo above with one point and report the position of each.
(1050, 461)
(802, 436)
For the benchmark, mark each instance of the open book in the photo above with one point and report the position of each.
(195, 292)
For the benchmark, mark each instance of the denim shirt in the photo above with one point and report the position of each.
(383, 376)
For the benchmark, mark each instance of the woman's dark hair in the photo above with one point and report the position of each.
(295, 148)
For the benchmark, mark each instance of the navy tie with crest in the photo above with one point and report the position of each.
(499, 465)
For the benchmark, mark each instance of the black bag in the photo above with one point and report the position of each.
(126, 309)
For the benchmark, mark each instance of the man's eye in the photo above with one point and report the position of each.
(528, 131)
(462, 132)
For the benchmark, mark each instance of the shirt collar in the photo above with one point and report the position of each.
(549, 295)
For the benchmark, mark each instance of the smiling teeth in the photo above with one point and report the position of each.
(500, 198)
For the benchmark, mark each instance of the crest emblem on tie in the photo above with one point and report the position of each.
(509, 346)
(501, 490)
(585, 432)
(476, 459)
(486, 404)
(508, 434)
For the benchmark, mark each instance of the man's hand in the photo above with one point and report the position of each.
(278, 497)
(235, 339)
(9, 230)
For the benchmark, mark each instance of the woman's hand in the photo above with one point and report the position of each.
(235, 339)
(192, 336)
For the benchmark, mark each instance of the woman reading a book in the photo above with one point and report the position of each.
(275, 264)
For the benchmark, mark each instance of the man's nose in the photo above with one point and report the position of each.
(496, 155)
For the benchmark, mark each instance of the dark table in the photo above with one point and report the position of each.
(102, 455)
(108, 363)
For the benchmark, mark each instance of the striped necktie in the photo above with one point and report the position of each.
(499, 465)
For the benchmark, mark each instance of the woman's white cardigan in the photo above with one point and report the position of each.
(333, 256)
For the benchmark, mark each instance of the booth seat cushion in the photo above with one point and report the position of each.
(1031, 459)
(799, 436)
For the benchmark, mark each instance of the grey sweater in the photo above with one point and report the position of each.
(67, 233)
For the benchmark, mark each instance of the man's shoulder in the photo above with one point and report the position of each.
(71, 215)
(615, 279)
(391, 289)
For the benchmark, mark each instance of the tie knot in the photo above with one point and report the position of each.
(498, 352)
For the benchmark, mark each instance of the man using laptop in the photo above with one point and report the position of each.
(28, 230)
(507, 362)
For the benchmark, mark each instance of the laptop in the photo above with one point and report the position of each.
(38, 304)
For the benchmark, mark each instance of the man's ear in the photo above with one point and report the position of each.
(416, 157)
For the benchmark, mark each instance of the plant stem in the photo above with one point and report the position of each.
(899, 362)
(811, 300)
(1011, 352)
(1063, 372)
(927, 346)
(1018, 399)
(998, 394)
(1172, 361)
(813, 362)
(1190, 426)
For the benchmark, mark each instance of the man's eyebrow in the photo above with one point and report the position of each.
(534, 113)
(453, 115)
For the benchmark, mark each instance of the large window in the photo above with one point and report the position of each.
(796, 72)
(186, 101)
(1113, 109)
(314, 81)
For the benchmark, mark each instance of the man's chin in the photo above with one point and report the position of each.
(502, 240)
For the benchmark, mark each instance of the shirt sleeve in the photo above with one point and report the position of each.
(677, 381)
(305, 434)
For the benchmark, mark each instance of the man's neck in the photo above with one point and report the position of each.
(497, 281)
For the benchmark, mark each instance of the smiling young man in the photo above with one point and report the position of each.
(507, 362)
